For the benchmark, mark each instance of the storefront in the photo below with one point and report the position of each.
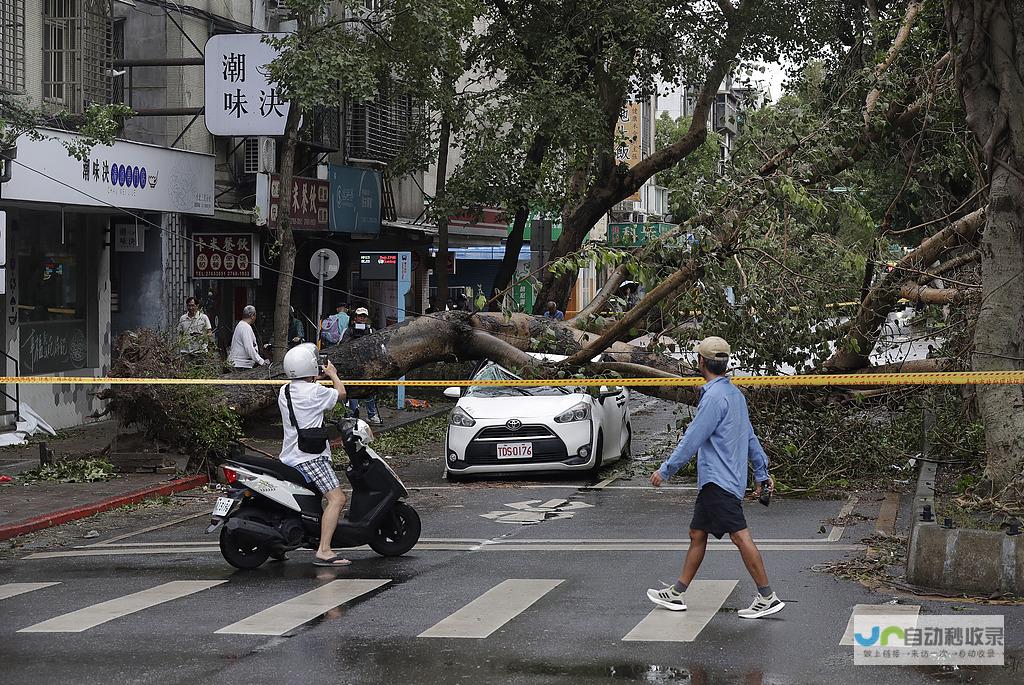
(62, 218)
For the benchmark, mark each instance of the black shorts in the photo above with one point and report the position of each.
(718, 512)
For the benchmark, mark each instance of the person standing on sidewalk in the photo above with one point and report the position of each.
(723, 440)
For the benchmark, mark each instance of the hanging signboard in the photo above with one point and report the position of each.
(311, 201)
(240, 98)
(628, 139)
(355, 200)
(225, 255)
(129, 238)
(128, 175)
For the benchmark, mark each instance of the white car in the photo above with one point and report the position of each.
(510, 429)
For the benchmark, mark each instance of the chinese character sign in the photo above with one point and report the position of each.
(225, 255)
(355, 200)
(240, 98)
(627, 139)
(311, 201)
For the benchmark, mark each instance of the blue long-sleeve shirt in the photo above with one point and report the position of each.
(723, 440)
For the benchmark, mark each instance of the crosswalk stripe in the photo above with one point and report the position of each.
(878, 610)
(290, 614)
(703, 600)
(493, 609)
(92, 616)
(8, 590)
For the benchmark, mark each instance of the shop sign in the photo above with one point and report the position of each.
(355, 200)
(123, 175)
(225, 255)
(628, 134)
(241, 100)
(635, 235)
(129, 238)
(48, 346)
(311, 201)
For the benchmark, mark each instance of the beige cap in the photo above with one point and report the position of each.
(362, 310)
(713, 348)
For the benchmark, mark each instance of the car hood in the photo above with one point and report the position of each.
(518, 407)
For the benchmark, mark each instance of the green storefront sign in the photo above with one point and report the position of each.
(523, 296)
(635, 235)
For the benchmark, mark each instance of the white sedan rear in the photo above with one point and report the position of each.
(506, 429)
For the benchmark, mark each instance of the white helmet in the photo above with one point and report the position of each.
(302, 361)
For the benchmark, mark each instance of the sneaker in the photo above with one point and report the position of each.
(668, 597)
(376, 421)
(762, 606)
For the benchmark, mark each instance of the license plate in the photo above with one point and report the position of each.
(223, 506)
(515, 450)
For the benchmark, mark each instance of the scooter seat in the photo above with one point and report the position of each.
(271, 466)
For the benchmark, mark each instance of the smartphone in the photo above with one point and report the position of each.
(765, 497)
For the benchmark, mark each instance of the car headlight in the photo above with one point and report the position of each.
(579, 412)
(461, 418)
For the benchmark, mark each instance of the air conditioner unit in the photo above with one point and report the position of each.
(260, 155)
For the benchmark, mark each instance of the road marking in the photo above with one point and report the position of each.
(887, 512)
(534, 511)
(492, 610)
(8, 590)
(703, 600)
(289, 615)
(878, 610)
(94, 615)
(809, 545)
(837, 531)
(150, 529)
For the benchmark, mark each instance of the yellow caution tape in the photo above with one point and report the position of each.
(844, 380)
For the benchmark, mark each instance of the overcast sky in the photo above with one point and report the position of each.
(773, 77)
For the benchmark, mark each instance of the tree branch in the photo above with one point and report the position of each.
(913, 9)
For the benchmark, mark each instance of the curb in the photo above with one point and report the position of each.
(73, 513)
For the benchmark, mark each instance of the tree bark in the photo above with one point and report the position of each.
(989, 39)
(514, 243)
(441, 260)
(286, 262)
(612, 186)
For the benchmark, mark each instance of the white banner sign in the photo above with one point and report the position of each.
(126, 175)
(129, 238)
(240, 99)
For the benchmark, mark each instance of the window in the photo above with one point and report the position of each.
(54, 302)
(12, 46)
(77, 49)
(379, 130)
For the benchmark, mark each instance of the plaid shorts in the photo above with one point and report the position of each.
(320, 473)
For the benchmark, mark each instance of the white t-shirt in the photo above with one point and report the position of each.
(243, 353)
(310, 401)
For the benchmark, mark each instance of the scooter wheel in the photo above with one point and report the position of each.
(240, 554)
(398, 533)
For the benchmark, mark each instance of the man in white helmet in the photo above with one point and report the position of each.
(303, 402)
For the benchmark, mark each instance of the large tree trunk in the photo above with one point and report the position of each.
(988, 36)
(514, 244)
(286, 263)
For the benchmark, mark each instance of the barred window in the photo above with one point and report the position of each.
(77, 47)
(380, 130)
(12, 46)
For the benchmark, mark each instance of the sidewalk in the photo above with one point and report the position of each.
(25, 508)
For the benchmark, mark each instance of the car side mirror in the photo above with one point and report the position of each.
(453, 393)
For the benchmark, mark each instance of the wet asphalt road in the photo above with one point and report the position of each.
(598, 546)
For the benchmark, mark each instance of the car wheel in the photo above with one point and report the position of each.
(627, 449)
(598, 454)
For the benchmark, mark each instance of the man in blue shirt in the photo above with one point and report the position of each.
(723, 440)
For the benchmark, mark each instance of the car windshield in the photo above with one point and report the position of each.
(493, 372)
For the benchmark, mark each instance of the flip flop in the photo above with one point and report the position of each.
(333, 561)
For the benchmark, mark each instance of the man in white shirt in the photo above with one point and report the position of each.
(244, 352)
(309, 401)
(194, 328)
